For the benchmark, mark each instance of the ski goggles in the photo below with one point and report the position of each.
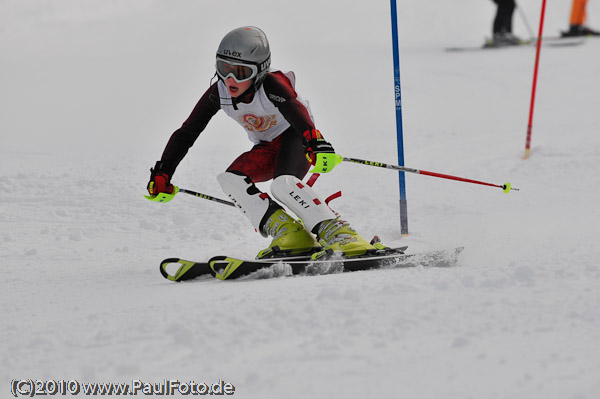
(239, 71)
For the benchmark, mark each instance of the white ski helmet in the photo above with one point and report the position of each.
(244, 54)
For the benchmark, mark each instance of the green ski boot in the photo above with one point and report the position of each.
(337, 236)
(289, 236)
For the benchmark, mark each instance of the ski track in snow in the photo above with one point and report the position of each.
(82, 297)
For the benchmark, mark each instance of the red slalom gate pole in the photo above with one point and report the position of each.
(506, 187)
(535, 75)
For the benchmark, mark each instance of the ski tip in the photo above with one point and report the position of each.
(183, 269)
(163, 268)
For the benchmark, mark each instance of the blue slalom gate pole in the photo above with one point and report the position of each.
(401, 176)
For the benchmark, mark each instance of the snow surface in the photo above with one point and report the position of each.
(90, 93)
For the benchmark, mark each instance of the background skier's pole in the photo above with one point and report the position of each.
(401, 177)
(535, 74)
(525, 21)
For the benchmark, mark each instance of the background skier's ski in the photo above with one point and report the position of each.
(556, 41)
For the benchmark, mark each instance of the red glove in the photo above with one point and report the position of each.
(160, 182)
(315, 144)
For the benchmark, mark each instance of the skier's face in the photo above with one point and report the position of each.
(237, 89)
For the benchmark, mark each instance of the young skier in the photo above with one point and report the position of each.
(280, 125)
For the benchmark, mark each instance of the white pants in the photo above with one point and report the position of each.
(299, 198)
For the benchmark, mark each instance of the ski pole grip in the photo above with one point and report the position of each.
(325, 162)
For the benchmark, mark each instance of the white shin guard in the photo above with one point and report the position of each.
(253, 203)
(302, 200)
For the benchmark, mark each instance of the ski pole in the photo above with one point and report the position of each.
(165, 197)
(506, 187)
(525, 21)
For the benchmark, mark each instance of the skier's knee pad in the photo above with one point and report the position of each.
(302, 200)
(254, 204)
